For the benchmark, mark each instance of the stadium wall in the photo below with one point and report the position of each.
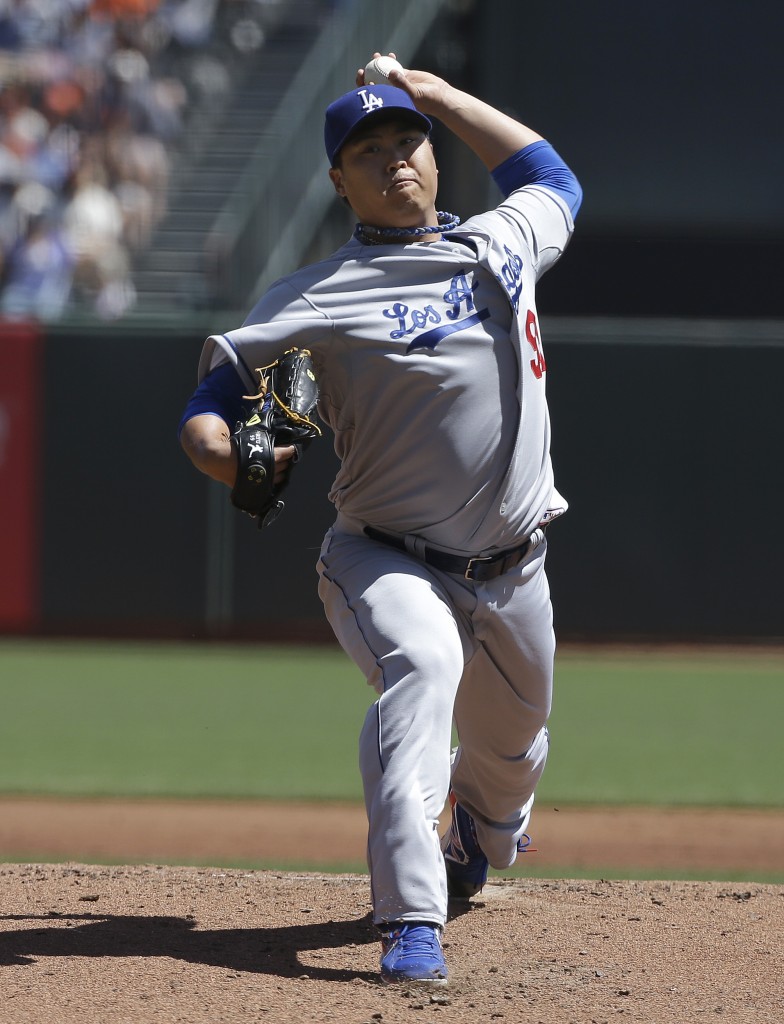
(666, 442)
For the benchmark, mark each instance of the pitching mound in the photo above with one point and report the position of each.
(143, 944)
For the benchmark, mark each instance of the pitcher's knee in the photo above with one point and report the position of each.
(432, 664)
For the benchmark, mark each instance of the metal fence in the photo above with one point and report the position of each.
(270, 222)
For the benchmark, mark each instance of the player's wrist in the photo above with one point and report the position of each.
(441, 100)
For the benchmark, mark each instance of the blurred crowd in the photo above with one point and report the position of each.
(94, 98)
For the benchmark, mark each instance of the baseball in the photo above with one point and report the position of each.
(377, 71)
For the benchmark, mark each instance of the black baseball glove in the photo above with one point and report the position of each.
(287, 396)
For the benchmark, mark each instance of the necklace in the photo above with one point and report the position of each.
(369, 235)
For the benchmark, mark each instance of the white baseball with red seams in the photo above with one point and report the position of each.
(377, 70)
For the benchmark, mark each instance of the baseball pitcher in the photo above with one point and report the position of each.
(426, 359)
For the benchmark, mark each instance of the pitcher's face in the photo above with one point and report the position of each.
(388, 174)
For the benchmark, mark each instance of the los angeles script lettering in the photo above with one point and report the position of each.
(459, 296)
(511, 276)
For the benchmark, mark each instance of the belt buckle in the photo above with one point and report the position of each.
(469, 569)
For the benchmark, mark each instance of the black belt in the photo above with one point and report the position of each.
(478, 569)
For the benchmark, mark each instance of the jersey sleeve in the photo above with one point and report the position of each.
(281, 319)
(537, 211)
(547, 222)
(221, 393)
(533, 217)
(539, 164)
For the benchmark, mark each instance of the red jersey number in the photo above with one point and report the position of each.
(538, 365)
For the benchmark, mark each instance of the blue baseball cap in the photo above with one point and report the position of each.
(349, 111)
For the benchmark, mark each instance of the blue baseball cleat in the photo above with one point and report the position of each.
(412, 952)
(466, 864)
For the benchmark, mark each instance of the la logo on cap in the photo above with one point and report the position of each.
(370, 101)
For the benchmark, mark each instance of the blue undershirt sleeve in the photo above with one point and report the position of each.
(221, 394)
(539, 164)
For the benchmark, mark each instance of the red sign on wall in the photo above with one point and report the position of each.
(20, 405)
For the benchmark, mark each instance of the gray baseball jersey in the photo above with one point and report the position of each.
(407, 339)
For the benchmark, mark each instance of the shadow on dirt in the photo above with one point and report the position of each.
(255, 950)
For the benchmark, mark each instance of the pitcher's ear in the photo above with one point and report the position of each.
(337, 180)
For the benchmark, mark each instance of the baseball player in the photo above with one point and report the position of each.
(426, 347)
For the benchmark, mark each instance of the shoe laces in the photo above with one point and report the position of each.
(462, 846)
(463, 836)
(419, 939)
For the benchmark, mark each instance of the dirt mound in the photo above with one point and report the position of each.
(144, 944)
(148, 944)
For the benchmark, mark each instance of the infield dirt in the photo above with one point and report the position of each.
(153, 943)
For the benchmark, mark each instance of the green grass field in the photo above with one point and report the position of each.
(158, 719)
